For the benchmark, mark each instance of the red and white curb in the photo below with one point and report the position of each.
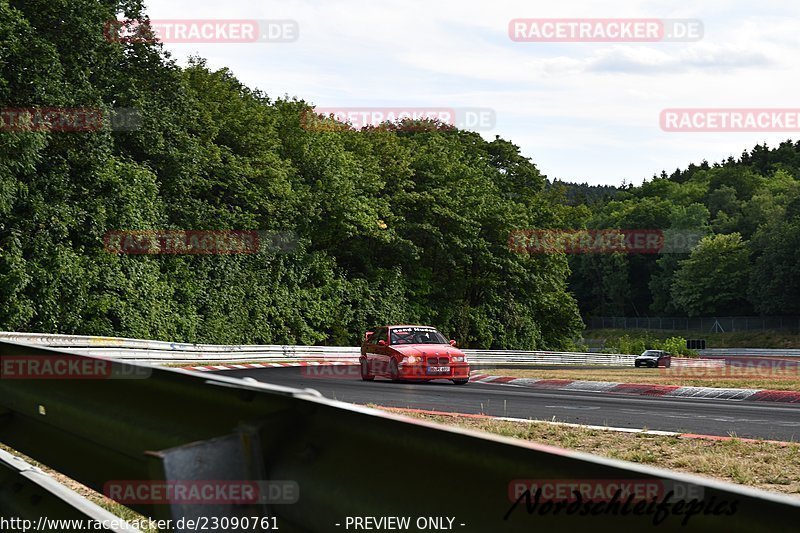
(640, 389)
(654, 433)
(645, 389)
(231, 366)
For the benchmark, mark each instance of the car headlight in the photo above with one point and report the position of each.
(412, 359)
(458, 359)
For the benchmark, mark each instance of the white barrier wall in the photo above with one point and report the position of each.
(160, 351)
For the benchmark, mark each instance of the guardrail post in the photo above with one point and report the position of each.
(346, 460)
(235, 459)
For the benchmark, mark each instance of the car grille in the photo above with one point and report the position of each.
(438, 360)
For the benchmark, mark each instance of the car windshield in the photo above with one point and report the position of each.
(417, 336)
(652, 353)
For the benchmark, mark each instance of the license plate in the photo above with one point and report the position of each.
(438, 370)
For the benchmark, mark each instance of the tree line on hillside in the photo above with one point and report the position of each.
(747, 263)
(400, 223)
(390, 224)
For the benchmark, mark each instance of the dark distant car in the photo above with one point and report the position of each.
(415, 353)
(654, 359)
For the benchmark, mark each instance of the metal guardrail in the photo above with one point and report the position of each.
(119, 346)
(160, 351)
(697, 363)
(347, 461)
(27, 493)
(266, 353)
(749, 352)
(713, 324)
(550, 358)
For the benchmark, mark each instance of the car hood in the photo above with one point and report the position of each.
(646, 357)
(427, 349)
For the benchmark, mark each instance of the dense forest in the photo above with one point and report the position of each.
(407, 222)
(747, 263)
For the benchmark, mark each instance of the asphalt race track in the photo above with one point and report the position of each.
(766, 420)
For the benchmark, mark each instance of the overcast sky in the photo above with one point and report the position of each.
(582, 111)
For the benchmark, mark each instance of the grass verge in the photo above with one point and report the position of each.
(93, 496)
(764, 465)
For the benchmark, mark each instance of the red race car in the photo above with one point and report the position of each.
(418, 353)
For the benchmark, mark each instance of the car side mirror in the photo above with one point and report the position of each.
(381, 342)
(452, 343)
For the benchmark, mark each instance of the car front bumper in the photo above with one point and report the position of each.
(426, 372)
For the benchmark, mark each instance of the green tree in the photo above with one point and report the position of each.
(774, 285)
(710, 281)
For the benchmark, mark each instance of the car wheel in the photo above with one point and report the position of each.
(461, 381)
(365, 375)
(394, 371)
